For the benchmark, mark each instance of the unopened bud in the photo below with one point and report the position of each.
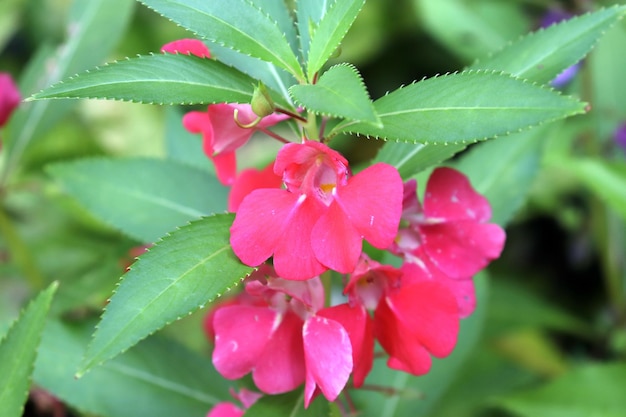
(262, 103)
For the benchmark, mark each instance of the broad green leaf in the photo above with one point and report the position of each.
(145, 198)
(160, 79)
(279, 12)
(182, 272)
(157, 378)
(340, 92)
(330, 31)
(416, 396)
(589, 390)
(97, 26)
(410, 158)
(542, 55)
(464, 108)
(237, 24)
(504, 170)
(18, 351)
(605, 179)
(472, 28)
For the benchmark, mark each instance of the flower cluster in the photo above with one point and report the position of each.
(306, 214)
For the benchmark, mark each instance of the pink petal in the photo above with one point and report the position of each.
(241, 334)
(225, 167)
(450, 196)
(429, 314)
(197, 122)
(328, 357)
(462, 248)
(249, 180)
(9, 97)
(357, 322)
(228, 136)
(260, 223)
(225, 410)
(335, 241)
(310, 292)
(373, 202)
(280, 368)
(187, 46)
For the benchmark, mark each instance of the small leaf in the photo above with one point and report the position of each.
(237, 24)
(160, 79)
(158, 378)
(463, 108)
(340, 92)
(590, 390)
(144, 198)
(182, 272)
(331, 30)
(18, 351)
(542, 55)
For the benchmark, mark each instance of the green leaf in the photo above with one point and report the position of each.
(182, 272)
(332, 28)
(418, 395)
(542, 55)
(340, 92)
(182, 145)
(605, 179)
(308, 14)
(144, 198)
(18, 351)
(472, 28)
(158, 378)
(504, 170)
(97, 26)
(590, 390)
(463, 108)
(410, 158)
(160, 79)
(237, 24)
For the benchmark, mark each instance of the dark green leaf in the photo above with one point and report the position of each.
(591, 390)
(157, 378)
(542, 55)
(160, 79)
(182, 272)
(144, 198)
(18, 351)
(340, 92)
(237, 24)
(464, 108)
(331, 29)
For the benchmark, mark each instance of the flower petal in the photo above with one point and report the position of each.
(241, 334)
(328, 357)
(462, 248)
(280, 367)
(10, 97)
(187, 46)
(225, 167)
(225, 409)
(450, 196)
(249, 180)
(372, 200)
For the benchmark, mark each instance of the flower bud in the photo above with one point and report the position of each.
(262, 103)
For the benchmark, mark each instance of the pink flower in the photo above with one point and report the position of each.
(414, 316)
(222, 136)
(187, 47)
(226, 409)
(319, 220)
(451, 228)
(249, 180)
(284, 342)
(9, 97)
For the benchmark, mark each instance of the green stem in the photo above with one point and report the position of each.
(20, 252)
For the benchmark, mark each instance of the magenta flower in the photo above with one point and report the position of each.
(319, 220)
(249, 180)
(9, 97)
(222, 136)
(187, 47)
(227, 409)
(451, 228)
(285, 339)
